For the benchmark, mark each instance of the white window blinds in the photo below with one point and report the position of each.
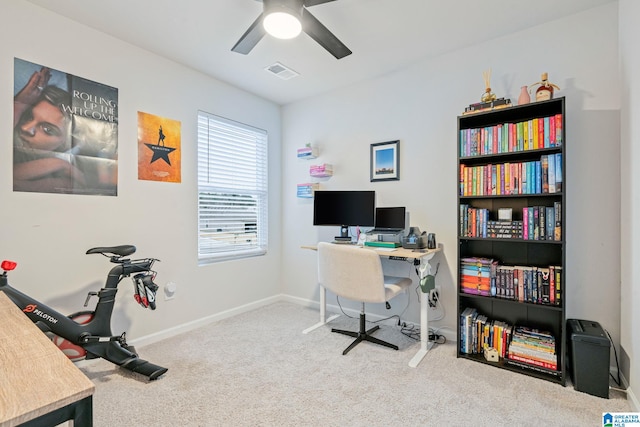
(232, 189)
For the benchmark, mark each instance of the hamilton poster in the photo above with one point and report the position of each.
(65, 134)
(158, 148)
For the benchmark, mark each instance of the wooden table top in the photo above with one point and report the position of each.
(35, 376)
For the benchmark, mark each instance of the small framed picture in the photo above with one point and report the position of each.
(385, 161)
(505, 214)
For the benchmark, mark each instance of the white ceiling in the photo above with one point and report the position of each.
(384, 35)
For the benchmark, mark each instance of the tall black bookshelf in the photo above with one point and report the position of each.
(491, 154)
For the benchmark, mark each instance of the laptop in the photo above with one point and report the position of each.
(389, 220)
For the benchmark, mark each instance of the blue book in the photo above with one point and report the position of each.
(558, 172)
(550, 217)
(551, 173)
(538, 178)
(546, 133)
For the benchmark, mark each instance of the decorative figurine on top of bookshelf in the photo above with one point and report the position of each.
(487, 96)
(488, 101)
(544, 92)
(524, 97)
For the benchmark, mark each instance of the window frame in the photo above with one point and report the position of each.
(232, 175)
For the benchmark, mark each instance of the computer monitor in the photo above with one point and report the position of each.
(391, 219)
(344, 209)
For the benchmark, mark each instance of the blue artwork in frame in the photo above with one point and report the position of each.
(385, 161)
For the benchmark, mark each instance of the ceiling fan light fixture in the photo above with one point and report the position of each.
(282, 25)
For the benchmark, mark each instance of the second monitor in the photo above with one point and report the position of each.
(390, 220)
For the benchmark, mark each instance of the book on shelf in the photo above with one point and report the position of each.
(558, 172)
(558, 283)
(307, 152)
(321, 171)
(533, 362)
(487, 106)
(307, 189)
(559, 127)
(550, 222)
(557, 230)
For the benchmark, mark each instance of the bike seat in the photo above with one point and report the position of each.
(122, 250)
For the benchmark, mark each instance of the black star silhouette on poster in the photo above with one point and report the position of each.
(160, 151)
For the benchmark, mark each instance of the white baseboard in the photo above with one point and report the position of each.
(189, 326)
(631, 397)
(633, 400)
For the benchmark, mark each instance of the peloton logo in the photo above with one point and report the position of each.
(32, 308)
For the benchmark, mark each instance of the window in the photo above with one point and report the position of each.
(232, 189)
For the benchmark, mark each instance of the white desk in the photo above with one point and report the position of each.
(424, 257)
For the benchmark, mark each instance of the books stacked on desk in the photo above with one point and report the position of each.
(383, 244)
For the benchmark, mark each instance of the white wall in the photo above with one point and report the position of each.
(48, 234)
(630, 193)
(419, 106)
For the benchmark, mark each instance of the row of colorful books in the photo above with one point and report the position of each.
(533, 347)
(478, 332)
(532, 284)
(476, 274)
(534, 134)
(538, 223)
(306, 190)
(538, 285)
(525, 346)
(321, 171)
(534, 177)
(308, 152)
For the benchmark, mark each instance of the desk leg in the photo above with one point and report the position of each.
(425, 345)
(323, 314)
(81, 412)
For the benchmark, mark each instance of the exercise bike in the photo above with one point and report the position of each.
(87, 334)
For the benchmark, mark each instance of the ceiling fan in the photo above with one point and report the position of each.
(294, 11)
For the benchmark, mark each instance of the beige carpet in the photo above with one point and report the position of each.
(258, 369)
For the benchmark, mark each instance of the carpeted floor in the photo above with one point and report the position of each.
(258, 369)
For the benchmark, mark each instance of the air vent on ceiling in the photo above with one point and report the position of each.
(282, 71)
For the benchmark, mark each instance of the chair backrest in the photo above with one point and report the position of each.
(351, 272)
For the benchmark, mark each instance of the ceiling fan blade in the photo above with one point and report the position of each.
(323, 36)
(251, 37)
(309, 3)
